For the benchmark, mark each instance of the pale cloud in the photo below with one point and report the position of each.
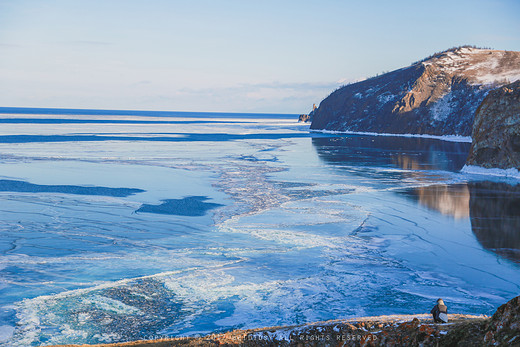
(272, 97)
(88, 43)
(9, 45)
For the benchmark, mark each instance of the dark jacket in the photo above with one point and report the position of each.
(436, 310)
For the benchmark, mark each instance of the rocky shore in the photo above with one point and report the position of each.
(502, 329)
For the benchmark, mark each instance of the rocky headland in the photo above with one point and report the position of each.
(502, 329)
(304, 118)
(437, 96)
(496, 130)
(308, 117)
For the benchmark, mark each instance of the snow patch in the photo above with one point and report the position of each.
(508, 77)
(442, 108)
(280, 335)
(466, 50)
(484, 67)
(385, 97)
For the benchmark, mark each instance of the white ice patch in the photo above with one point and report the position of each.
(107, 337)
(36, 315)
(201, 290)
(6, 332)
(201, 286)
(477, 170)
(107, 304)
(283, 223)
(72, 333)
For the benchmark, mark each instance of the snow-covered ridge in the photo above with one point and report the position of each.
(438, 95)
(480, 66)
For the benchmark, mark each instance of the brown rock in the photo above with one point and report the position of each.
(502, 329)
(308, 117)
(304, 118)
(496, 131)
(504, 326)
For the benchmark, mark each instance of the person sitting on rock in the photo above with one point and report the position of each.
(440, 312)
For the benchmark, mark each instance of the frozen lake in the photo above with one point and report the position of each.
(128, 225)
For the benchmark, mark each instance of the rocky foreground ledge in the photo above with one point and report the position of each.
(502, 329)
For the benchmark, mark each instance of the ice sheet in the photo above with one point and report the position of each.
(308, 227)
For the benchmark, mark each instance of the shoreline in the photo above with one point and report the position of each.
(450, 138)
(395, 330)
(371, 331)
(511, 173)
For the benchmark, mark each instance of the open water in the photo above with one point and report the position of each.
(123, 225)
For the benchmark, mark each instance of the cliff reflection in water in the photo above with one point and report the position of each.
(451, 200)
(387, 151)
(495, 217)
(493, 209)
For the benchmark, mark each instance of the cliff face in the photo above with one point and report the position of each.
(496, 131)
(437, 96)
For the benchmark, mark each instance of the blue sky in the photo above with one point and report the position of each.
(229, 55)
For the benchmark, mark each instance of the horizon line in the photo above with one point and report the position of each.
(120, 111)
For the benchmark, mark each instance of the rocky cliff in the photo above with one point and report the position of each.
(308, 117)
(496, 131)
(437, 96)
